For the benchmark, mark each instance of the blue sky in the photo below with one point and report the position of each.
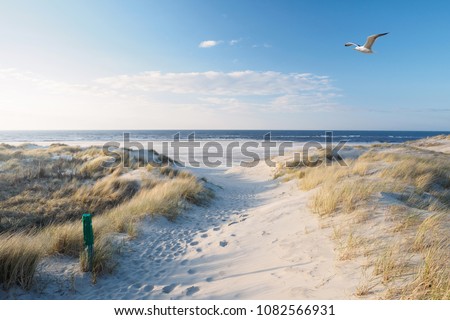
(263, 65)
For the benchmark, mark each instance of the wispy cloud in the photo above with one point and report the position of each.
(245, 82)
(156, 94)
(209, 43)
(37, 82)
(243, 90)
(234, 42)
(214, 43)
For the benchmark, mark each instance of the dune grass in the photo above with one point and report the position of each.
(47, 189)
(433, 276)
(19, 256)
(337, 195)
(390, 194)
(166, 198)
(388, 265)
(103, 260)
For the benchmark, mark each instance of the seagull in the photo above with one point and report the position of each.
(367, 47)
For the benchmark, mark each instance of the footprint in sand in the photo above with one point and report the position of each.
(184, 262)
(192, 271)
(147, 288)
(204, 235)
(223, 243)
(231, 223)
(209, 279)
(191, 290)
(194, 243)
(216, 228)
(169, 288)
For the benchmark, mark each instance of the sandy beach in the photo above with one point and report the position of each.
(256, 241)
(259, 238)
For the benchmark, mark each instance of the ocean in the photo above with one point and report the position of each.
(351, 136)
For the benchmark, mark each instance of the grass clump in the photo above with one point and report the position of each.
(429, 232)
(64, 239)
(345, 196)
(166, 198)
(94, 168)
(19, 257)
(316, 176)
(388, 265)
(433, 277)
(103, 258)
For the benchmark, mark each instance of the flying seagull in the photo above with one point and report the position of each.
(367, 47)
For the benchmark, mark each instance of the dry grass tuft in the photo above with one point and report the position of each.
(64, 239)
(325, 201)
(166, 199)
(346, 196)
(19, 256)
(103, 258)
(428, 233)
(425, 172)
(94, 168)
(361, 168)
(366, 285)
(388, 265)
(314, 177)
(433, 277)
(349, 247)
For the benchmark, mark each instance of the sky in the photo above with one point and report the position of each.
(247, 64)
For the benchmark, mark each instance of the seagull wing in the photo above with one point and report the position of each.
(371, 39)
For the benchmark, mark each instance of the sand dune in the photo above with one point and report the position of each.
(257, 240)
(438, 143)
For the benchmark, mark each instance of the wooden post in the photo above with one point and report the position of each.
(88, 235)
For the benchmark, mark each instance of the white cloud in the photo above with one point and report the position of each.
(312, 101)
(33, 101)
(240, 83)
(36, 82)
(209, 43)
(234, 41)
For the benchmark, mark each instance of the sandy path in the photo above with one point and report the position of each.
(257, 240)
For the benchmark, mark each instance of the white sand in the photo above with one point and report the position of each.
(256, 240)
(438, 144)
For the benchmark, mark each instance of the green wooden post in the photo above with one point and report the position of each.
(88, 235)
